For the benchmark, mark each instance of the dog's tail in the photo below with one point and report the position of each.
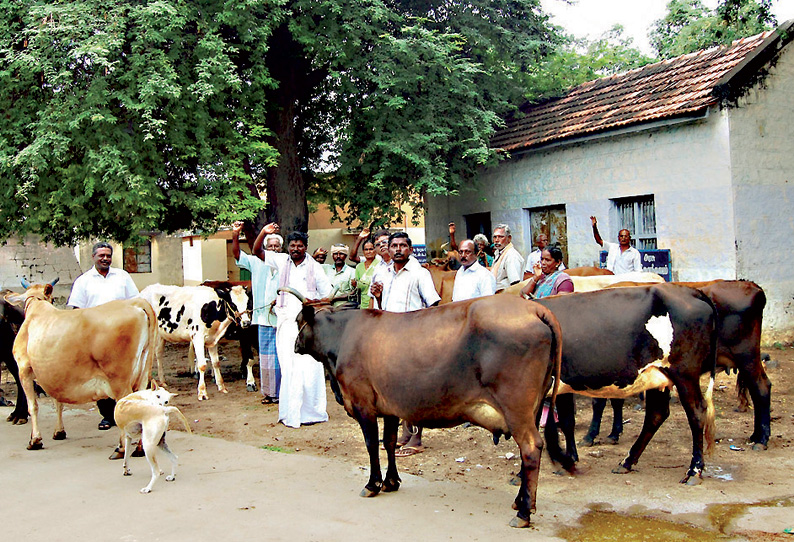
(174, 410)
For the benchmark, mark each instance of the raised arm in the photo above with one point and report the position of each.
(453, 245)
(237, 227)
(596, 235)
(260, 239)
(353, 256)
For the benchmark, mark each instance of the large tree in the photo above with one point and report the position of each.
(122, 116)
(690, 26)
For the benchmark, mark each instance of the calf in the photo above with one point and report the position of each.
(198, 315)
(623, 341)
(83, 355)
(487, 361)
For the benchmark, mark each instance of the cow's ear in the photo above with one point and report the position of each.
(16, 299)
(48, 290)
(308, 314)
(154, 385)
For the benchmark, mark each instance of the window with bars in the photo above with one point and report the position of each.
(638, 215)
(138, 259)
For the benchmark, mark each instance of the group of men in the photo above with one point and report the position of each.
(399, 284)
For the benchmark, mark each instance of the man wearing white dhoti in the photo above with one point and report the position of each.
(302, 395)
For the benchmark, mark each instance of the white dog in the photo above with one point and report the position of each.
(143, 417)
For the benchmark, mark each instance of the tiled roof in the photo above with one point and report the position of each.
(678, 87)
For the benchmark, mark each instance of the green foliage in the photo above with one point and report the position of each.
(580, 60)
(125, 116)
(690, 26)
(122, 116)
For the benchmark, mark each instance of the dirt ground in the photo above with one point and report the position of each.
(749, 494)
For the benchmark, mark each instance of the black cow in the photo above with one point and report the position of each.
(623, 341)
(487, 361)
(11, 318)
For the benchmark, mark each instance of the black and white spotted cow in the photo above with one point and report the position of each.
(198, 315)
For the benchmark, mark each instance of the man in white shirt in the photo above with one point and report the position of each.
(533, 258)
(98, 285)
(302, 397)
(508, 264)
(621, 257)
(472, 279)
(402, 286)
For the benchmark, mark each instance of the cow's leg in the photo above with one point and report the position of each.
(159, 350)
(247, 359)
(369, 426)
(657, 409)
(127, 444)
(18, 416)
(617, 421)
(760, 389)
(530, 446)
(216, 368)
(390, 426)
(695, 408)
(595, 424)
(553, 440)
(566, 412)
(60, 432)
(26, 374)
(197, 344)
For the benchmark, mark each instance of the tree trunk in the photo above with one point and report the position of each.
(286, 188)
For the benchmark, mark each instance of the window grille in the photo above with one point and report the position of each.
(638, 215)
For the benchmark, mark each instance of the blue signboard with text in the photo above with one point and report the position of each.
(653, 261)
(420, 251)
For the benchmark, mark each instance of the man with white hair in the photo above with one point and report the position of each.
(508, 266)
(264, 289)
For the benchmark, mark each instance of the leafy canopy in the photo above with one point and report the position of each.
(690, 26)
(122, 117)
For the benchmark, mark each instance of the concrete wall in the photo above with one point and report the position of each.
(686, 166)
(762, 161)
(204, 259)
(36, 262)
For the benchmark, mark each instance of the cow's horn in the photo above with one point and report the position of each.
(53, 283)
(293, 291)
(25, 283)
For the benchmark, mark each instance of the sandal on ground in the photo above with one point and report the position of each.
(407, 451)
(268, 400)
(104, 425)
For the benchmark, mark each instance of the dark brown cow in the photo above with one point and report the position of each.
(620, 342)
(444, 282)
(740, 307)
(487, 361)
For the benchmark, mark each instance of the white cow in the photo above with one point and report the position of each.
(198, 315)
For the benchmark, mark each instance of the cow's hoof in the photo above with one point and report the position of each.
(35, 444)
(389, 486)
(250, 387)
(59, 435)
(612, 440)
(368, 492)
(621, 469)
(170, 478)
(758, 447)
(586, 442)
(224, 390)
(21, 421)
(203, 398)
(519, 523)
(127, 472)
(145, 490)
(117, 454)
(692, 479)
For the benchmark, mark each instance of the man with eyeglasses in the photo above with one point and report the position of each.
(472, 279)
(508, 267)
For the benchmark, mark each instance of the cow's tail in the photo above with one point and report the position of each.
(709, 426)
(174, 410)
(548, 318)
(147, 354)
(551, 435)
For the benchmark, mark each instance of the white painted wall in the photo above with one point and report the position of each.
(762, 159)
(37, 262)
(722, 186)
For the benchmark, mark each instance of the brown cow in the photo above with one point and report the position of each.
(83, 355)
(488, 361)
(587, 271)
(443, 281)
(740, 307)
